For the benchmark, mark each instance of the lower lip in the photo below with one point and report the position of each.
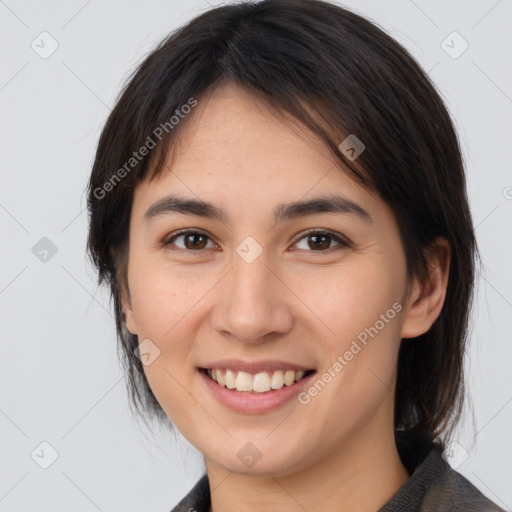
(254, 402)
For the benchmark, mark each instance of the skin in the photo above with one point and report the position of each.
(295, 302)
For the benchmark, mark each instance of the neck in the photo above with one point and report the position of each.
(363, 474)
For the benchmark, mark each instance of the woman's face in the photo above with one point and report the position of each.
(269, 286)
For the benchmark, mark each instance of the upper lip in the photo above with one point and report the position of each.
(255, 366)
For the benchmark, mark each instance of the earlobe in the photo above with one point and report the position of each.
(426, 299)
(129, 317)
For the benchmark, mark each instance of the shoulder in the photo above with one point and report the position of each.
(197, 499)
(453, 492)
(434, 486)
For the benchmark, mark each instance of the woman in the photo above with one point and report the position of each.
(278, 204)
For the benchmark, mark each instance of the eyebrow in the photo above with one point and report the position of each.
(283, 211)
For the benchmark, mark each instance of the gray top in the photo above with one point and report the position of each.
(432, 487)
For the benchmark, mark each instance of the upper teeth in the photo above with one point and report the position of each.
(260, 382)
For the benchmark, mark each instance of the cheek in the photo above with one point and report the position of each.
(361, 311)
(162, 307)
(163, 296)
(350, 299)
(163, 304)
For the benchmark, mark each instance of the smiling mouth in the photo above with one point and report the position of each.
(262, 382)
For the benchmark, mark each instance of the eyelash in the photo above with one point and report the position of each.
(341, 242)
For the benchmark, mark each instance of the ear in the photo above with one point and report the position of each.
(129, 317)
(426, 299)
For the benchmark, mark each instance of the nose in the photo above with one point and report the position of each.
(252, 303)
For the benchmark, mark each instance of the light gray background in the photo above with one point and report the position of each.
(60, 378)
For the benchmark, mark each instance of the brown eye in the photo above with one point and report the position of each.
(190, 240)
(321, 241)
(195, 241)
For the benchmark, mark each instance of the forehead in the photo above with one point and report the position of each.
(235, 150)
(234, 128)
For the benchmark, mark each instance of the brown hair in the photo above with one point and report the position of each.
(338, 74)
